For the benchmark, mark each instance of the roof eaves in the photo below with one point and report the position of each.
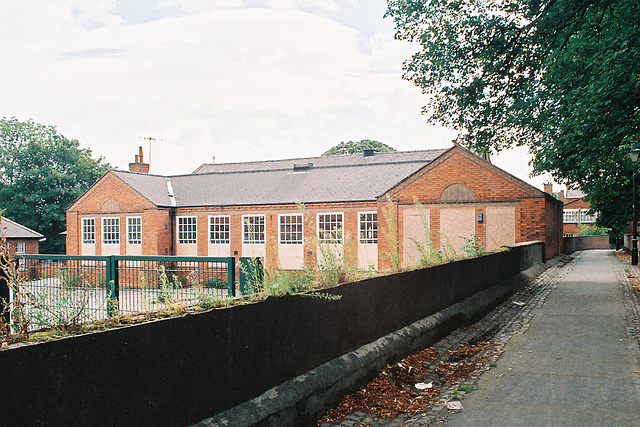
(230, 205)
(36, 234)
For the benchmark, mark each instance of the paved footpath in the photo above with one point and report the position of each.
(576, 364)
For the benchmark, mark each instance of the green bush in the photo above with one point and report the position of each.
(591, 230)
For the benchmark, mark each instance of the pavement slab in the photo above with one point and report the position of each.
(575, 365)
(566, 353)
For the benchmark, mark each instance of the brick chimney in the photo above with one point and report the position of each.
(139, 165)
(548, 187)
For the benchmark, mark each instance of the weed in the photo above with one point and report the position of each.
(493, 364)
(320, 295)
(429, 256)
(465, 388)
(280, 282)
(15, 322)
(433, 420)
(167, 286)
(389, 213)
(207, 301)
(253, 270)
(215, 283)
(71, 279)
(473, 246)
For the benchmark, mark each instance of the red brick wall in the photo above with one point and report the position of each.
(155, 223)
(31, 246)
(535, 218)
(457, 166)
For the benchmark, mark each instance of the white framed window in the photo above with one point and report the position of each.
(570, 216)
(368, 226)
(219, 229)
(21, 249)
(574, 216)
(110, 231)
(88, 230)
(253, 229)
(585, 218)
(134, 230)
(187, 229)
(330, 228)
(290, 229)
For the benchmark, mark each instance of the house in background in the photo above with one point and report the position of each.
(21, 240)
(363, 205)
(575, 211)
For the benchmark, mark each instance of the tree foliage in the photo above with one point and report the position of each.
(561, 77)
(41, 174)
(352, 147)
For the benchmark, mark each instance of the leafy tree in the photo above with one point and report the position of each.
(561, 77)
(591, 230)
(352, 147)
(41, 174)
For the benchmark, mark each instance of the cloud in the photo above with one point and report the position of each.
(314, 6)
(199, 6)
(237, 82)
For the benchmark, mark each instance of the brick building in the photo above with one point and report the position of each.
(575, 211)
(361, 205)
(21, 240)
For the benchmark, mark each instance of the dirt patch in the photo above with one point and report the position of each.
(413, 384)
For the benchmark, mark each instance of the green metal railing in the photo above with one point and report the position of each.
(112, 285)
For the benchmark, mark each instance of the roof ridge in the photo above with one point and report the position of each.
(139, 173)
(349, 165)
(321, 157)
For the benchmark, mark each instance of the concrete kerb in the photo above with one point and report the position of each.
(304, 399)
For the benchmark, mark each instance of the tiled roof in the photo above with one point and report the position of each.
(329, 179)
(13, 230)
(153, 187)
(344, 160)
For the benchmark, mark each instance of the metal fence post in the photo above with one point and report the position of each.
(113, 288)
(231, 276)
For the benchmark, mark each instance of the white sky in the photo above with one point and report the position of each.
(236, 79)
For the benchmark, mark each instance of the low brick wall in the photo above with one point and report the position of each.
(583, 243)
(181, 370)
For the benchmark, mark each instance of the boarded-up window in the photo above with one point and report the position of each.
(416, 243)
(457, 193)
(501, 227)
(457, 227)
